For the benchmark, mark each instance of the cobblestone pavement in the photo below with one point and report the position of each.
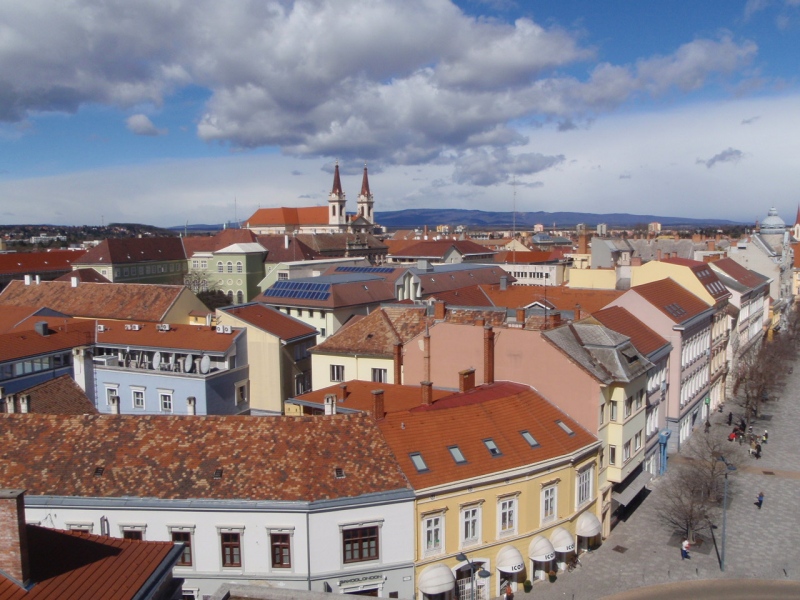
(762, 544)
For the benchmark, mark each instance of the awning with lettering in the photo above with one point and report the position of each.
(562, 540)
(588, 525)
(541, 549)
(509, 560)
(625, 496)
(436, 579)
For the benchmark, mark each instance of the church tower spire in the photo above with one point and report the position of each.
(365, 201)
(336, 201)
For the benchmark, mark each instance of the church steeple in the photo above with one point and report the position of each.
(796, 226)
(336, 201)
(365, 201)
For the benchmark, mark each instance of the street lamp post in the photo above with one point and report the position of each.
(482, 572)
(728, 467)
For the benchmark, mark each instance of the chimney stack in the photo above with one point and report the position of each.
(658, 254)
(24, 402)
(426, 355)
(488, 354)
(38, 280)
(711, 245)
(503, 283)
(578, 313)
(14, 551)
(10, 404)
(427, 392)
(583, 244)
(342, 392)
(466, 380)
(330, 404)
(73, 281)
(439, 310)
(377, 405)
(114, 402)
(520, 312)
(398, 363)
(27, 279)
(191, 405)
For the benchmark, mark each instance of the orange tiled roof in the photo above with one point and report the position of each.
(86, 275)
(285, 216)
(357, 395)
(21, 344)
(672, 299)
(705, 275)
(175, 457)
(59, 396)
(272, 321)
(63, 562)
(561, 297)
(377, 333)
(467, 296)
(526, 258)
(644, 339)
(21, 263)
(179, 337)
(223, 239)
(741, 274)
(120, 251)
(436, 249)
(12, 316)
(135, 301)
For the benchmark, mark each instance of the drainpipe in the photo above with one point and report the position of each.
(663, 438)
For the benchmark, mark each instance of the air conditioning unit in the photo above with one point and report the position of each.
(101, 328)
(226, 329)
(108, 361)
(220, 329)
(135, 327)
(113, 398)
(128, 326)
(162, 327)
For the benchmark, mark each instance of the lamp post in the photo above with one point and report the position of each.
(482, 572)
(728, 467)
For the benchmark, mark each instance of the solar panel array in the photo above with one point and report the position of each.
(299, 289)
(364, 269)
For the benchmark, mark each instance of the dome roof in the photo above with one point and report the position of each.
(773, 223)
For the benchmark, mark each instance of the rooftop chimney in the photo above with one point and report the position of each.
(520, 315)
(342, 392)
(488, 354)
(658, 254)
(503, 283)
(439, 310)
(114, 402)
(191, 405)
(578, 313)
(38, 280)
(24, 402)
(583, 244)
(14, 550)
(711, 245)
(398, 363)
(27, 279)
(330, 404)
(427, 392)
(377, 405)
(10, 404)
(41, 328)
(73, 281)
(466, 380)
(426, 355)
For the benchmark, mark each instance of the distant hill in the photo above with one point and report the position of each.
(406, 219)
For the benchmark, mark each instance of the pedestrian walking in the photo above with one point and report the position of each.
(765, 436)
(708, 426)
(758, 452)
(685, 549)
(730, 418)
(759, 500)
(509, 595)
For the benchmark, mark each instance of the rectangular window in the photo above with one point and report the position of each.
(379, 375)
(132, 534)
(457, 455)
(526, 435)
(508, 520)
(195, 264)
(614, 410)
(359, 545)
(337, 372)
(470, 520)
(585, 486)
(281, 550)
(628, 407)
(626, 451)
(549, 503)
(231, 550)
(283, 276)
(241, 393)
(602, 413)
(637, 441)
(186, 556)
(138, 399)
(433, 535)
(418, 461)
(639, 399)
(166, 401)
(492, 447)
(612, 455)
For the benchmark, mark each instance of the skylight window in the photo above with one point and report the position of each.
(218, 474)
(338, 473)
(457, 455)
(529, 438)
(418, 461)
(492, 447)
(565, 427)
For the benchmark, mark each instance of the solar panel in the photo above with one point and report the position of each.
(303, 290)
(364, 269)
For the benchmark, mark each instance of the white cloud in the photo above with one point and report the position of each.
(142, 125)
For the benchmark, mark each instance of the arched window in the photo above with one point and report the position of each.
(230, 296)
(239, 266)
(219, 267)
(240, 297)
(230, 267)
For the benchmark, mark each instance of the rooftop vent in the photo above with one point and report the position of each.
(218, 474)
(99, 471)
(339, 472)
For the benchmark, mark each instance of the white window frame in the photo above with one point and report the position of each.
(190, 530)
(584, 486)
(337, 373)
(470, 524)
(141, 527)
(434, 524)
(549, 503)
(138, 390)
(507, 505)
(382, 375)
(162, 393)
(112, 389)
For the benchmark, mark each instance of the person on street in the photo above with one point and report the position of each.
(708, 426)
(759, 500)
(758, 450)
(685, 549)
(764, 438)
(730, 418)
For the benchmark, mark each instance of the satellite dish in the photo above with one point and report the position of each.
(157, 360)
(187, 363)
(205, 364)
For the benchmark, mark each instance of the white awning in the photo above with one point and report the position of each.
(436, 579)
(509, 560)
(541, 549)
(562, 540)
(625, 496)
(588, 525)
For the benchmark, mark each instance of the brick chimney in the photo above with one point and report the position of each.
(342, 392)
(658, 254)
(711, 245)
(377, 405)
(578, 313)
(520, 315)
(13, 536)
(439, 310)
(398, 363)
(488, 354)
(583, 244)
(466, 380)
(427, 392)
(426, 355)
(480, 322)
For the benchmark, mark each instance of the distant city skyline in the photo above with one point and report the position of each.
(204, 111)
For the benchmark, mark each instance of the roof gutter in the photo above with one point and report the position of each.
(159, 575)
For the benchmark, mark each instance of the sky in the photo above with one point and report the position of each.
(170, 112)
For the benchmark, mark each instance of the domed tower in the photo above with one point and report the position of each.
(336, 201)
(796, 226)
(365, 201)
(773, 224)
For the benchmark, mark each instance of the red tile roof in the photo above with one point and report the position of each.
(285, 216)
(285, 248)
(270, 320)
(705, 275)
(740, 273)
(466, 296)
(524, 258)
(59, 396)
(672, 299)
(358, 395)
(561, 297)
(69, 564)
(13, 316)
(436, 249)
(86, 275)
(644, 339)
(135, 301)
(175, 457)
(223, 239)
(119, 251)
(16, 345)
(179, 337)
(22, 263)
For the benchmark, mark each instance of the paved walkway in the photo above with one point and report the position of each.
(762, 544)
